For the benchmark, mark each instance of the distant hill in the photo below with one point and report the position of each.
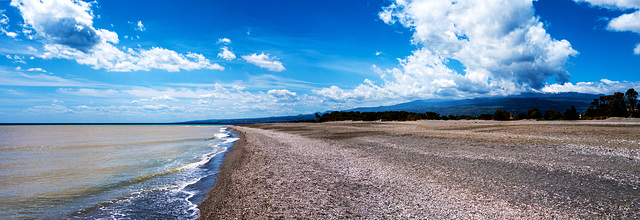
(474, 107)
(255, 120)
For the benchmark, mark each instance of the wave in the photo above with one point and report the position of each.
(184, 187)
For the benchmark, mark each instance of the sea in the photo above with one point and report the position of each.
(108, 171)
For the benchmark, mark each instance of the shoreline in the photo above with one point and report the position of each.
(216, 197)
(429, 169)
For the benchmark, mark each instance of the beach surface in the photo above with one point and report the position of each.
(430, 169)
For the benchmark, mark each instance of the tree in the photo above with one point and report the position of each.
(433, 115)
(485, 117)
(501, 115)
(618, 105)
(631, 100)
(552, 114)
(608, 106)
(571, 114)
(534, 113)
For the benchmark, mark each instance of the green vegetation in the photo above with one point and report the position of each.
(616, 105)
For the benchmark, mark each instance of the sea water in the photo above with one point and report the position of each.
(108, 172)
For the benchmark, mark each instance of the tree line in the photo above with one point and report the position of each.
(617, 105)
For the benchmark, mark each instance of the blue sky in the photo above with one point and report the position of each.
(167, 61)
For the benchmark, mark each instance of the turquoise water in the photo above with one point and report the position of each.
(122, 172)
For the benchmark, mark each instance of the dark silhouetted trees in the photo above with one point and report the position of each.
(571, 114)
(485, 117)
(552, 114)
(501, 115)
(534, 113)
(616, 105)
(631, 100)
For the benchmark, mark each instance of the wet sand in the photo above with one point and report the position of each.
(430, 169)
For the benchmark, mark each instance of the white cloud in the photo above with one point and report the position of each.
(140, 26)
(110, 58)
(366, 92)
(264, 61)
(283, 95)
(61, 21)
(10, 34)
(226, 54)
(224, 41)
(626, 22)
(502, 45)
(67, 29)
(603, 86)
(36, 70)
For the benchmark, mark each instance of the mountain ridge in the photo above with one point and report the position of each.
(474, 107)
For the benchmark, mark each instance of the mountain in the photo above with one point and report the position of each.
(475, 107)
(254, 120)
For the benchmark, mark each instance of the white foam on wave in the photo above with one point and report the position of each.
(221, 135)
(205, 158)
(230, 140)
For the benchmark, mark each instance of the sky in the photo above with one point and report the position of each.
(171, 61)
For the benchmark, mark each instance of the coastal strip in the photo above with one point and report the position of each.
(430, 169)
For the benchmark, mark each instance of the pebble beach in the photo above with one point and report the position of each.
(430, 169)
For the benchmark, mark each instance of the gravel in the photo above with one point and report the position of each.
(430, 169)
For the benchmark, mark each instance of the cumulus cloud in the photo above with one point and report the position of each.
(264, 61)
(501, 44)
(626, 22)
(226, 54)
(61, 21)
(111, 58)
(283, 95)
(66, 26)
